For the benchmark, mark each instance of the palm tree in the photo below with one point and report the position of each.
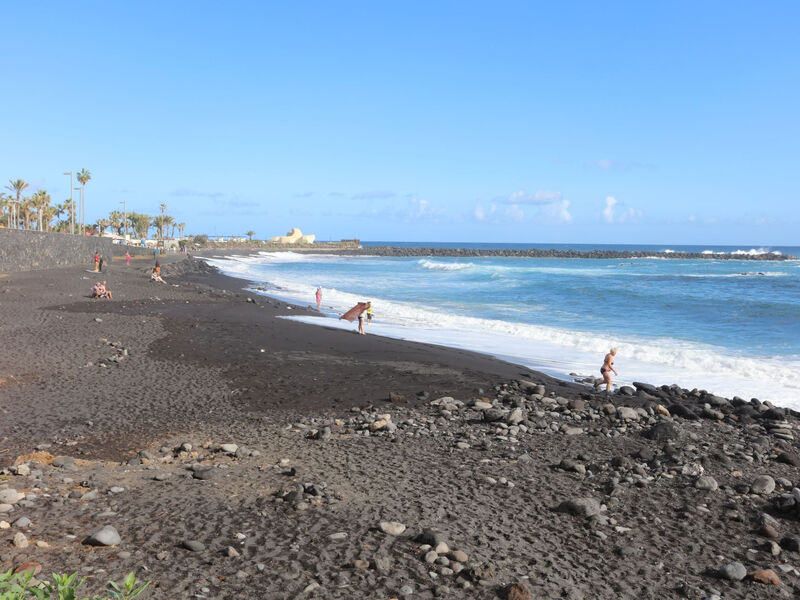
(250, 234)
(41, 202)
(115, 221)
(83, 177)
(27, 211)
(181, 227)
(3, 203)
(140, 224)
(16, 186)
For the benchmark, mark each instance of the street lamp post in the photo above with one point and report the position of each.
(81, 204)
(125, 218)
(71, 205)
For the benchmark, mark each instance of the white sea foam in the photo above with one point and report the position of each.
(443, 266)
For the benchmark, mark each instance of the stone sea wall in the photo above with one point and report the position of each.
(23, 250)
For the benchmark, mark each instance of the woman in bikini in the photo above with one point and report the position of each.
(606, 369)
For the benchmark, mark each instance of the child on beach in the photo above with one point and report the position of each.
(156, 275)
(127, 257)
(96, 261)
(369, 314)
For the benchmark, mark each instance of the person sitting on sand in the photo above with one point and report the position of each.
(156, 275)
(96, 290)
(605, 370)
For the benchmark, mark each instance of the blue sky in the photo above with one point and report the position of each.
(445, 121)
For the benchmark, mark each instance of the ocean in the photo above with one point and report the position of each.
(731, 327)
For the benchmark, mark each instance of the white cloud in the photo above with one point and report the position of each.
(608, 211)
(539, 197)
(484, 214)
(692, 218)
(617, 212)
(559, 211)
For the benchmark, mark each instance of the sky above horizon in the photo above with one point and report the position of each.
(517, 122)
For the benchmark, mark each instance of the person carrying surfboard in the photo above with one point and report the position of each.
(357, 312)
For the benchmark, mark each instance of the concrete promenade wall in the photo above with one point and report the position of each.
(24, 250)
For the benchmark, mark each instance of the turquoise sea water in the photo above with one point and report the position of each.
(731, 326)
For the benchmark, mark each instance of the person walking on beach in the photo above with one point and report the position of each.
(127, 258)
(605, 371)
(319, 297)
(357, 312)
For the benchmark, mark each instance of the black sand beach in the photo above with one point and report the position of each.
(243, 456)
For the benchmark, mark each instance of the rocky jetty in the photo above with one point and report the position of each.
(404, 251)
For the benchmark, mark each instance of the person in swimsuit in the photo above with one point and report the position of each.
(606, 369)
(319, 297)
(361, 318)
(369, 314)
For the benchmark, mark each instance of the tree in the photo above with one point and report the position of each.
(181, 227)
(115, 220)
(4, 203)
(250, 234)
(102, 224)
(83, 177)
(16, 186)
(40, 202)
(140, 223)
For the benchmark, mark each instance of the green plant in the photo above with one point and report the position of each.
(128, 588)
(17, 586)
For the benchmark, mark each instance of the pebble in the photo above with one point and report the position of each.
(10, 496)
(763, 484)
(20, 541)
(706, 482)
(767, 577)
(734, 571)
(581, 507)
(335, 537)
(229, 448)
(22, 522)
(392, 527)
(106, 536)
(193, 545)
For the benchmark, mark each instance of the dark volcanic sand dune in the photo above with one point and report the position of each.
(295, 510)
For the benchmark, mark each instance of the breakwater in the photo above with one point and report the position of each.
(402, 251)
(26, 250)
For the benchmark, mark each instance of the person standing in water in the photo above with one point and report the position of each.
(319, 297)
(606, 369)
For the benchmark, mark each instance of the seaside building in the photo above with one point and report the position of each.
(295, 236)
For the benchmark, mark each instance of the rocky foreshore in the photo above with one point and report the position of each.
(407, 251)
(185, 434)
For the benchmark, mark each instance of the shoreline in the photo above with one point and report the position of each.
(566, 362)
(243, 455)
